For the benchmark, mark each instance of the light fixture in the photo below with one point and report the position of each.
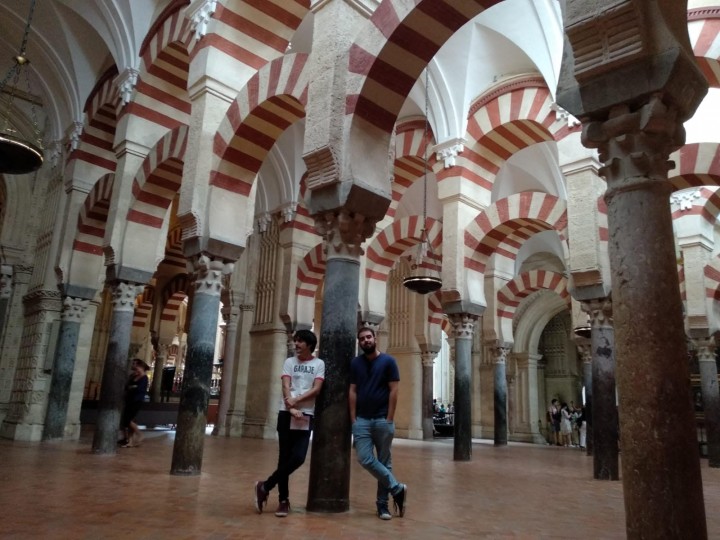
(583, 331)
(17, 154)
(424, 277)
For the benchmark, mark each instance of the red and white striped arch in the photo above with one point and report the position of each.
(158, 180)
(387, 59)
(253, 32)
(161, 92)
(510, 296)
(696, 165)
(92, 218)
(173, 295)
(95, 147)
(143, 308)
(174, 255)
(303, 220)
(87, 262)
(504, 121)
(436, 314)
(704, 30)
(712, 293)
(273, 99)
(503, 227)
(310, 275)
(396, 239)
(410, 148)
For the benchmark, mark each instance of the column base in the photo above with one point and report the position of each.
(21, 432)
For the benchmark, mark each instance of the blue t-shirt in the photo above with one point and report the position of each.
(371, 379)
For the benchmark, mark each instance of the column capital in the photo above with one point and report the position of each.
(6, 274)
(599, 310)
(124, 294)
(344, 232)
(635, 143)
(428, 358)
(705, 348)
(585, 350)
(209, 273)
(463, 325)
(74, 309)
(501, 350)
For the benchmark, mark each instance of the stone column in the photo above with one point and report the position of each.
(711, 401)
(463, 326)
(500, 395)
(115, 369)
(195, 393)
(586, 353)
(160, 359)
(6, 274)
(63, 367)
(604, 408)
(428, 359)
(633, 103)
(659, 438)
(329, 488)
(231, 315)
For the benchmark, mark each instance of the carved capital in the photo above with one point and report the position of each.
(209, 274)
(448, 151)
(705, 349)
(599, 310)
(585, 351)
(126, 82)
(501, 353)
(6, 274)
(428, 358)
(463, 325)
(343, 232)
(42, 300)
(635, 144)
(124, 294)
(74, 309)
(199, 13)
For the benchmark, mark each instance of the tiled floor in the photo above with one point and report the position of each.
(61, 490)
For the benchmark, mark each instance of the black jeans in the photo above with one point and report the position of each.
(293, 449)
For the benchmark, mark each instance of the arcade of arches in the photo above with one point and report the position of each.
(220, 173)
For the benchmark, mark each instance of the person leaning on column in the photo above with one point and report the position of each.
(302, 378)
(374, 378)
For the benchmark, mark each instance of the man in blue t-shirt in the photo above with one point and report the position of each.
(374, 379)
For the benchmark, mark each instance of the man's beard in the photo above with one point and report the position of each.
(368, 349)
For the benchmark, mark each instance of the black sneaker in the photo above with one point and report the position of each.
(283, 509)
(383, 512)
(260, 496)
(400, 499)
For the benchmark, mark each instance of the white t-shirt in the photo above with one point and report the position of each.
(302, 374)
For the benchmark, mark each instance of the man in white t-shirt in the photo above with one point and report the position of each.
(302, 379)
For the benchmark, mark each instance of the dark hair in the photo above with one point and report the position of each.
(365, 329)
(141, 363)
(306, 336)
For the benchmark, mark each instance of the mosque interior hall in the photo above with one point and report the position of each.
(518, 197)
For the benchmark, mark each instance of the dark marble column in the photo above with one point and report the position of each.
(428, 359)
(231, 314)
(6, 274)
(115, 370)
(329, 487)
(63, 367)
(710, 399)
(660, 460)
(586, 352)
(464, 326)
(500, 392)
(605, 414)
(195, 393)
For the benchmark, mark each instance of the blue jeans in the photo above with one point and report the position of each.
(371, 436)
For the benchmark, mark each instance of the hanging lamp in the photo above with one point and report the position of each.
(17, 154)
(423, 278)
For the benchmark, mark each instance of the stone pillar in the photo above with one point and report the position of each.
(711, 401)
(632, 104)
(63, 367)
(195, 393)
(428, 359)
(6, 274)
(329, 489)
(115, 370)
(160, 359)
(463, 326)
(500, 395)
(604, 408)
(586, 353)
(231, 315)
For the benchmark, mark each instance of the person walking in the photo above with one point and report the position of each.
(302, 379)
(374, 379)
(135, 393)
